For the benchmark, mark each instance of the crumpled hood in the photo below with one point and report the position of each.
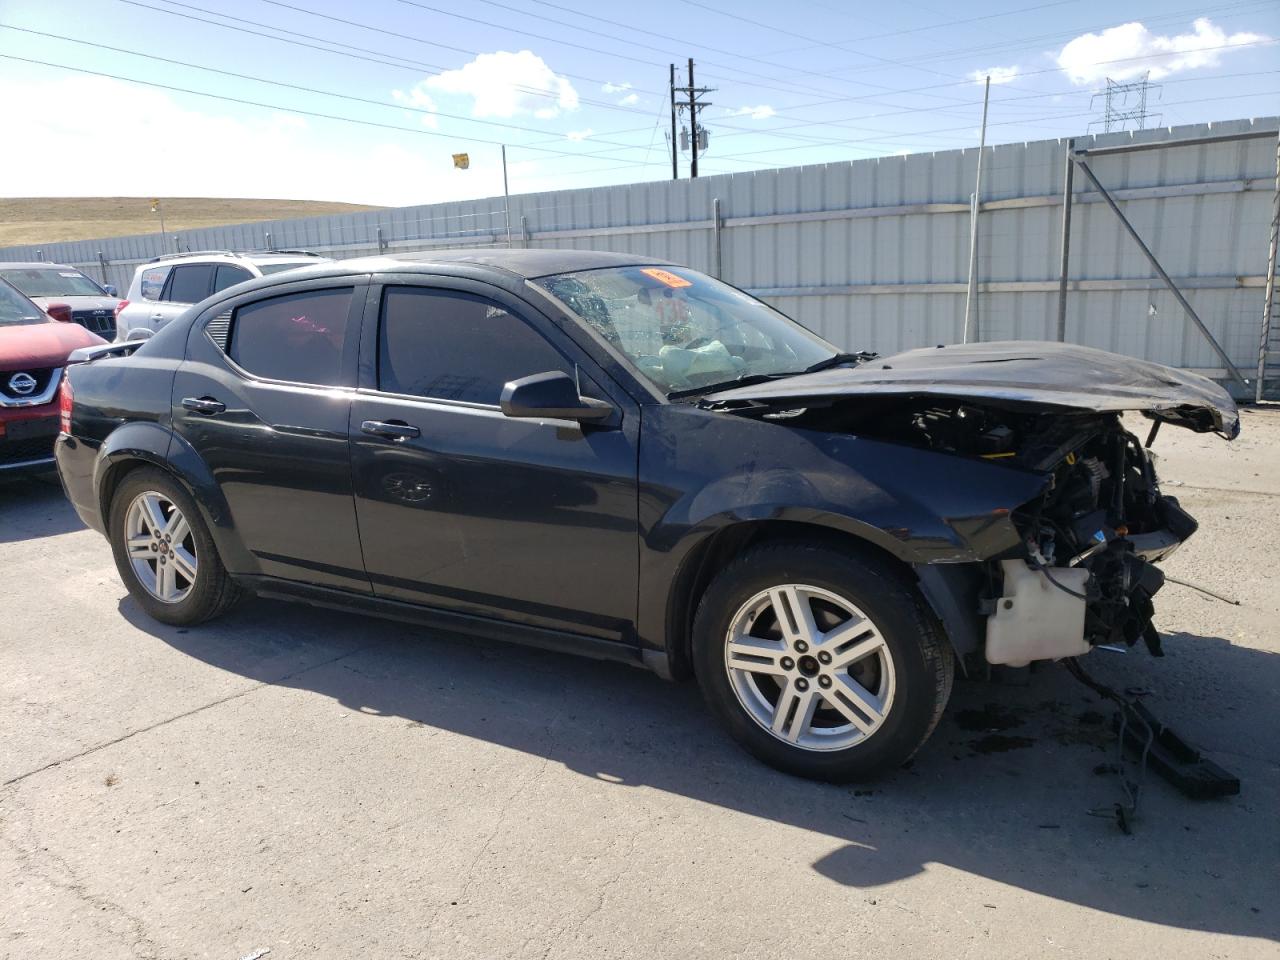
(33, 345)
(1017, 374)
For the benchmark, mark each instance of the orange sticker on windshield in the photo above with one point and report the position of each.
(666, 276)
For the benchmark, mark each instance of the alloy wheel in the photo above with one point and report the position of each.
(160, 546)
(809, 667)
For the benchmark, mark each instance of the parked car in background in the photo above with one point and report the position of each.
(33, 355)
(630, 459)
(164, 287)
(93, 305)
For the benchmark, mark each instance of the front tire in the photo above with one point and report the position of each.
(164, 552)
(819, 663)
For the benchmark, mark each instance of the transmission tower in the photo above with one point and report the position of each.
(1126, 103)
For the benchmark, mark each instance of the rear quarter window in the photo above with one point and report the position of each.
(152, 282)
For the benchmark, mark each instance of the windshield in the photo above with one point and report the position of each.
(684, 330)
(52, 282)
(270, 268)
(15, 308)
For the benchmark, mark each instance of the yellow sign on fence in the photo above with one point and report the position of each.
(462, 160)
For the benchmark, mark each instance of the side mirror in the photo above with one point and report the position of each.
(59, 311)
(111, 289)
(551, 395)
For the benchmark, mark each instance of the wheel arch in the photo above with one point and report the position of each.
(139, 445)
(715, 550)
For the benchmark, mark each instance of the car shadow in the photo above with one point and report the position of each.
(1003, 789)
(32, 505)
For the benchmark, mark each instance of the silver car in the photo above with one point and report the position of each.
(164, 287)
(93, 305)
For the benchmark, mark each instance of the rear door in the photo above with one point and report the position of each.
(186, 283)
(533, 521)
(264, 398)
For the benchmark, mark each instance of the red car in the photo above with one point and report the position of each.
(33, 352)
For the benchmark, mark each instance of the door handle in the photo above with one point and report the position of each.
(205, 405)
(391, 429)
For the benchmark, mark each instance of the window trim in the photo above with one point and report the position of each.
(358, 283)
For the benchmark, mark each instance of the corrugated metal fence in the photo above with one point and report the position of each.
(873, 254)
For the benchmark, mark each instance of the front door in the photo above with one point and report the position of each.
(264, 398)
(465, 509)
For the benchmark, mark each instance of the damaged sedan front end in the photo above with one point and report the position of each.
(1080, 569)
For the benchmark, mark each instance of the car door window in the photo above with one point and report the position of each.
(298, 337)
(228, 276)
(189, 283)
(449, 345)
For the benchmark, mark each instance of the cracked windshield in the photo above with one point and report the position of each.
(685, 331)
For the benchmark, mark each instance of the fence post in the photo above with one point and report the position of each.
(382, 244)
(102, 264)
(268, 239)
(717, 253)
(1067, 178)
(524, 231)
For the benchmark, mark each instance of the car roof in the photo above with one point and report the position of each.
(499, 264)
(230, 256)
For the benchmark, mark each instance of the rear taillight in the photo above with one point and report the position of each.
(120, 306)
(66, 399)
(59, 311)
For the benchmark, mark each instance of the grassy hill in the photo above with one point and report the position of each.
(53, 219)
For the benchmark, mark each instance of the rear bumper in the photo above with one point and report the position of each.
(76, 461)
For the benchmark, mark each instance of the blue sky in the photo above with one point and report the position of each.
(577, 90)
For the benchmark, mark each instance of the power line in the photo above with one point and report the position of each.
(293, 86)
(287, 109)
(364, 53)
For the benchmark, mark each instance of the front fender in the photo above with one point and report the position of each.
(701, 472)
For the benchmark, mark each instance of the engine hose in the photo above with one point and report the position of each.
(1049, 576)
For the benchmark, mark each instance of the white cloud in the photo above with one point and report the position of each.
(1091, 58)
(631, 99)
(255, 154)
(761, 112)
(616, 87)
(423, 107)
(579, 135)
(998, 75)
(507, 84)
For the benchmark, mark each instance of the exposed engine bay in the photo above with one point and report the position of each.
(1085, 572)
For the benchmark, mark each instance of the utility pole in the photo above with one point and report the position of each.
(693, 125)
(675, 169)
(971, 297)
(697, 134)
(506, 195)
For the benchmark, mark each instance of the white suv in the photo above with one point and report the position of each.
(164, 287)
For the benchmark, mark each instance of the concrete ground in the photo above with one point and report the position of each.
(321, 785)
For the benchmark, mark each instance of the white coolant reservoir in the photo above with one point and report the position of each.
(1036, 620)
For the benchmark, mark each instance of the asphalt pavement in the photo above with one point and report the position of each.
(315, 784)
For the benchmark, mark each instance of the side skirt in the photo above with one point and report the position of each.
(469, 624)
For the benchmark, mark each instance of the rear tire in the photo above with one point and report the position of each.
(819, 663)
(164, 552)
